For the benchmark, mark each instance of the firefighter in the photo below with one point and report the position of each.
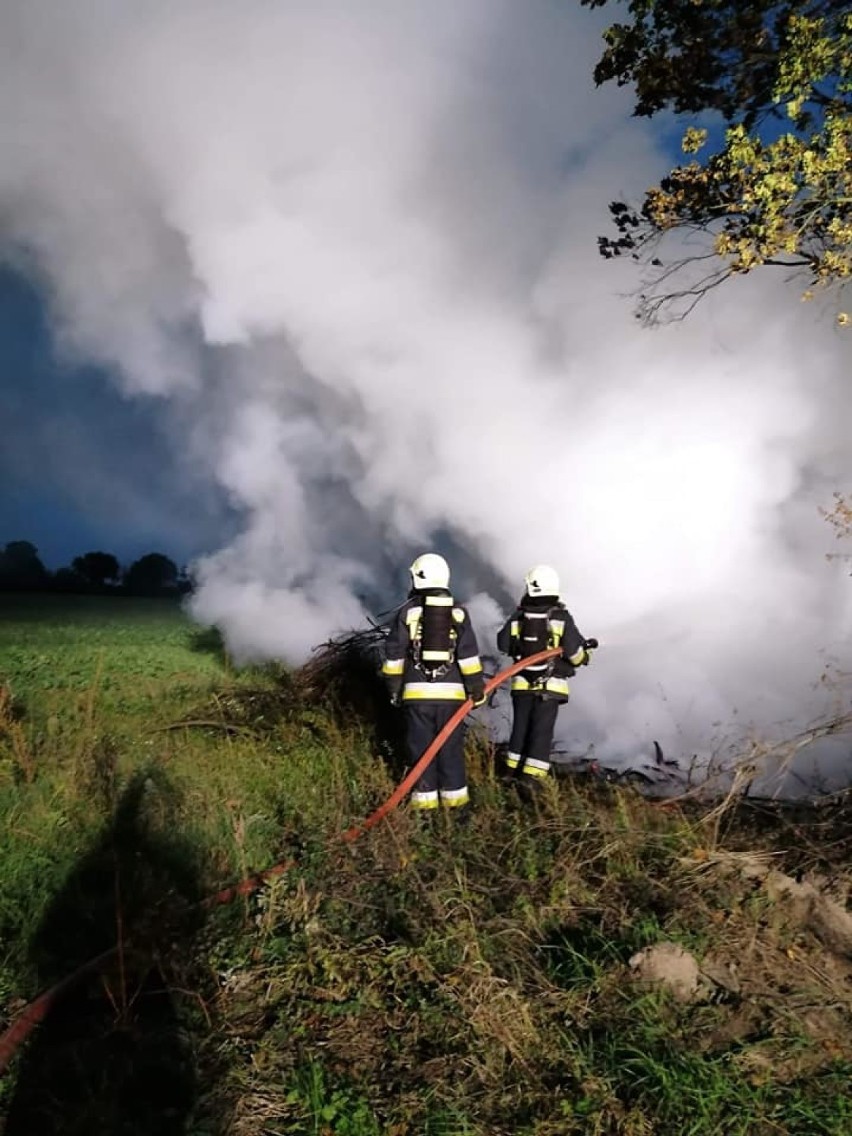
(540, 621)
(431, 666)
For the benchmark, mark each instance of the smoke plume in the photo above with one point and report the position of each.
(349, 252)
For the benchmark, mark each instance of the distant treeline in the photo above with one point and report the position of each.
(154, 574)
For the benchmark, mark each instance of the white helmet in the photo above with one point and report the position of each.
(429, 571)
(542, 581)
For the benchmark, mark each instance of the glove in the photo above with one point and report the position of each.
(586, 659)
(394, 692)
(477, 695)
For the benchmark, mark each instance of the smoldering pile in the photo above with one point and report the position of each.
(340, 683)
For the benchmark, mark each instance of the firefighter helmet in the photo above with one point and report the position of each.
(542, 581)
(429, 571)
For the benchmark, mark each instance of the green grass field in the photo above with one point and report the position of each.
(461, 982)
(130, 652)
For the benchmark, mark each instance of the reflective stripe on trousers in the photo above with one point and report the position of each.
(533, 724)
(532, 766)
(443, 781)
(428, 800)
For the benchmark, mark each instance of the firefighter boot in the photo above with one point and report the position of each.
(460, 816)
(425, 820)
(530, 788)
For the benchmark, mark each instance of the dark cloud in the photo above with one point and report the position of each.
(80, 465)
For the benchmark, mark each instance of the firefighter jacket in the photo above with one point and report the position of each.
(431, 651)
(535, 625)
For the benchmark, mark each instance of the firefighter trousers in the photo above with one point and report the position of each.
(444, 781)
(533, 723)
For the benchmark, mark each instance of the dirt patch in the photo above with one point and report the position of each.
(811, 908)
(669, 965)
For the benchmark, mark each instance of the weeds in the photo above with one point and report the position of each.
(12, 736)
(326, 1111)
(461, 982)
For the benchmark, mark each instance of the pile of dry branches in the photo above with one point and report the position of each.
(344, 672)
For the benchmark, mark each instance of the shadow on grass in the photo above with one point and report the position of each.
(113, 1056)
(209, 641)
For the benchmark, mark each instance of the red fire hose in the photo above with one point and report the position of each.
(416, 773)
(35, 1013)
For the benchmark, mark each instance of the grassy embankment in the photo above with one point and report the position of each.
(469, 981)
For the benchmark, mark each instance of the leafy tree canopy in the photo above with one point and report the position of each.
(152, 575)
(96, 567)
(777, 190)
(20, 566)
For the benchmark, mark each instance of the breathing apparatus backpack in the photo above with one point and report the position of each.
(533, 633)
(433, 638)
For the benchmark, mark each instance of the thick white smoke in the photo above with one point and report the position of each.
(352, 250)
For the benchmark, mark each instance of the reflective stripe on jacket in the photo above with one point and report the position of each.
(409, 675)
(550, 677)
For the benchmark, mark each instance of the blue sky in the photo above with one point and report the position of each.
(81, 466)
